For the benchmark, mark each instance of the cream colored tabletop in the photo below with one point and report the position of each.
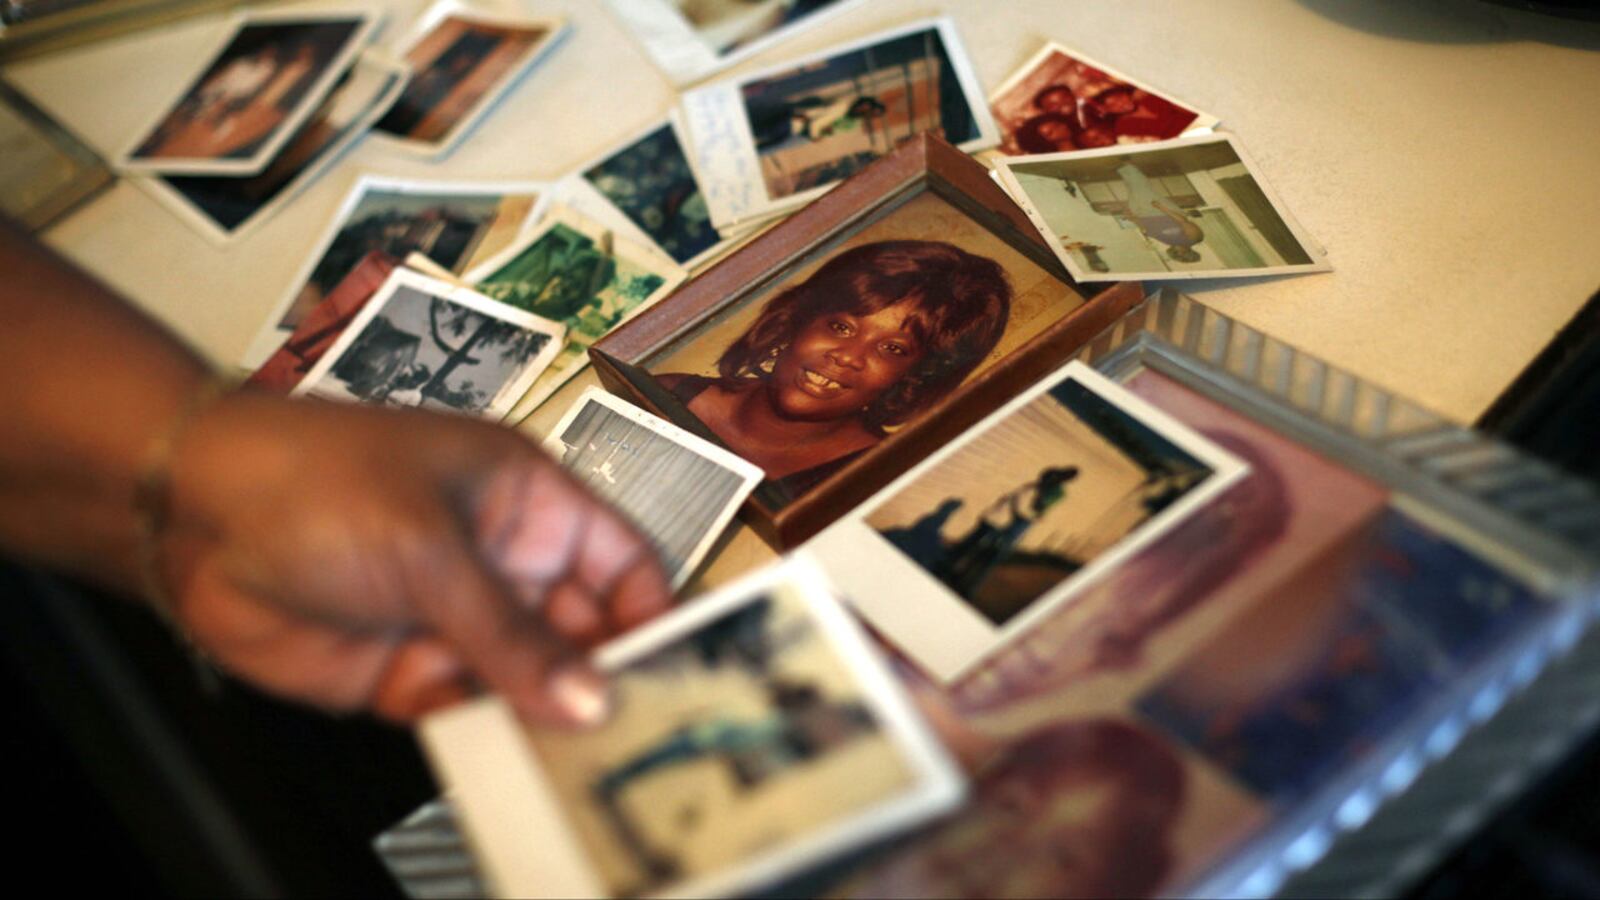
(1446, 155)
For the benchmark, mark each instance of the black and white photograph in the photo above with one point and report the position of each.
(689, 40)
(1015, 518)
(266, 79)
(777, 139)
(457, 224)
(225, 208)
(680, 490)
(421, 342)
(753, 732)
(1180, 209)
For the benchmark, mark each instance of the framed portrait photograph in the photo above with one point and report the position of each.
(841, 346)
(430, 344)
(777, 139)
(1173, 210)
(754, 733)
(268, 76)
(48, 172)
(981, 541)
(224, 208)
(456, 224)
(571, 270)
(463, 61)
(1060, 100)
(680, 490)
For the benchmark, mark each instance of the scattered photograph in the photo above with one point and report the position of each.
(321, 328)
(1060, 100)
(680, 490)
(753, 732)
(426, 343)
(266, 80)
(649, 180)
(224, 208)
(1255, 541)
(1018, 516)
(572, 271)
(691, 39)
(1306, 685)
(462, 62)
(1187, 208)
(816, 370)
(454, 223)
(779, 138)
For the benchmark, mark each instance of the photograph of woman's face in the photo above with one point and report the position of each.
(816, 370)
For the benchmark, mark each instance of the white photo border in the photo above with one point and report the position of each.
(271, 336)
(460, 296)
(368, 20)
(556, 30)
(164, 193)
(938, 628)
(726, 162)
(1003, 166)
(749, 474)
(670, 41)
(522, 837)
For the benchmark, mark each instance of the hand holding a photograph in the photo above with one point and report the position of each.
(351, 558)
(391, 560)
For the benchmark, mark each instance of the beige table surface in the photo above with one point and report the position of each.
(1446, 154)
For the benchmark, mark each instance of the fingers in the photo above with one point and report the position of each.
(561, 550)
(509, 648)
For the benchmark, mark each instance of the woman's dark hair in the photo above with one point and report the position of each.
(963, 303)
(1030, 136)
(1047, 90)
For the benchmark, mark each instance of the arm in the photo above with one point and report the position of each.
(1190, 230)
(353, 558)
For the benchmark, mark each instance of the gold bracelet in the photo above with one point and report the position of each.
(152, 493)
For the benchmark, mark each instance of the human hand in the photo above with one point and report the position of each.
(391, 560)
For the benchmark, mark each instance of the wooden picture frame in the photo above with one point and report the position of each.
(921, 167)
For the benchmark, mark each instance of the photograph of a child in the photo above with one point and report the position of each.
(1037, 496)
(459, 66)
(824, 121)
(251, 97)
(1188, 208)
(1059, 101)
(735, 740)
(424, 343)
(680, 490)
(818, 370)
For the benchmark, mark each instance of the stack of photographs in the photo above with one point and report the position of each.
(456, 224)
(280, 99)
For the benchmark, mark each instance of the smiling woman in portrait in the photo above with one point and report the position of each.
(876, 335)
